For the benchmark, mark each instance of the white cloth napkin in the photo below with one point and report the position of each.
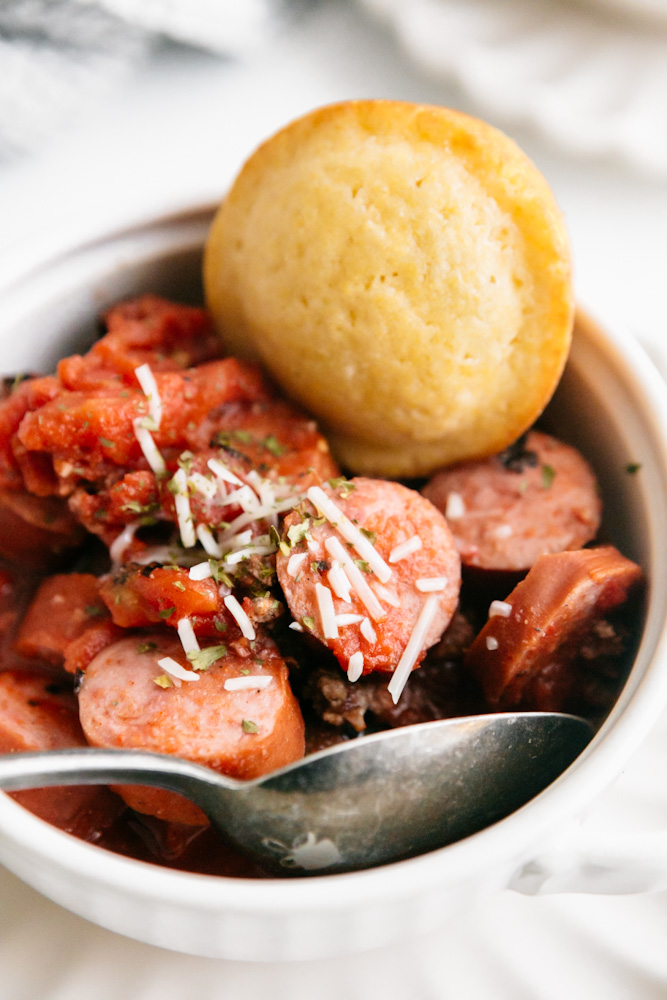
(57, 57)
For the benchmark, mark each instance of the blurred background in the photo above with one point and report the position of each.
(113, 111)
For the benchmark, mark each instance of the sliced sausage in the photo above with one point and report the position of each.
(545, 620)
(243, 733)
(422, 571)
(63, 608)
(38, 714)
(539, 496)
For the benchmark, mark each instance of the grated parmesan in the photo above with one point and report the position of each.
(183, 511)
(296, 626)
(146, 380)
(202, 485)
(455, 508)
(411, 652)
(356, 578)
(405, 549)
(202, 571)
(176, 670)
(186, 634)
(500, 608)
(149, 448)
(222, 472)
(349, 619)
(350, 532)
(491, 642)
(252, 682)
(239, 615)
(355, 667)
(327, 614)
(427, 584)
(122, 541)
(368, 631)
(205, 536)
(339, 581)
(295, 562)
(260, 514)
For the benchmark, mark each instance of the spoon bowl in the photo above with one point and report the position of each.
(356, 805)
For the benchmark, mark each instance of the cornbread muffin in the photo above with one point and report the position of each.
(403, 272)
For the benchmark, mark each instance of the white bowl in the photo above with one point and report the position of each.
(611, 402)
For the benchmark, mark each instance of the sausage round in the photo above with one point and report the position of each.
(388, 515)
(539, 496)
(241, 733)
(37, 713)
(550, 612)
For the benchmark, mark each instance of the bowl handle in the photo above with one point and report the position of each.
(596, 862)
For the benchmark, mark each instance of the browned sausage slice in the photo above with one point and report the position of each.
(539, 496)
(36, 713)
(546, 617)
(376, 594)
(219, 720)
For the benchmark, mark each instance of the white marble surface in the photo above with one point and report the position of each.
(174, 136)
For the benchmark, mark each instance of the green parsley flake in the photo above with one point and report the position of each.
(633, 467)
(106, 443)
(548, 476)
(167, 613)
(248, 726)
(244, 672)
(179, 586)
(272, 444)
(299, 533)
(363, 565)
(202, 659)
(370, 535)
(148, 423)
(94, 610)
(342, 485)
(308, 622)
(220, 626)
(163, 681)
(146, 647)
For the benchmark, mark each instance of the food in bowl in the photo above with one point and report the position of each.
(236, 571)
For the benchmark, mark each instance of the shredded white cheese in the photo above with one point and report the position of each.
(125, 539)
(355, 667)
(295, 562)
(241, 618)
(455, 508)
(430, 583)
(186, 634)
(500, 609)
(146, 380)
(325, 606)
(350, 532)
(296, 626)
(202, 571)
(222, 472)
(260, 514)
(179, 482)
(202, 485)
(335, 548)
(250, 550)
(339, 581)
(343, 620)
(368, 631)
(256, 682)
(209, 544)
(411, 652)
(405, 549)
(386, 595)
(149, 448)
(503, 531)
(176, 670)
(491, 642)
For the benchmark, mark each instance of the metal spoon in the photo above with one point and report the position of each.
(378, 799)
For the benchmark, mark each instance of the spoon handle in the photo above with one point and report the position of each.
(92, 766)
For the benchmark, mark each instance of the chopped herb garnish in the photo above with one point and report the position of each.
(523, 486)
(272, 444)
(274, 536)
(202, 659)
(173, 487)
(308, 622)
(167, 613)
(163, 681)
(106, 443)
(370, 535)
(299, 533)
(548, 475)
(342, 485)
(148, 423)
(220, 626)
(363, 565)
(134, 507)
(633, 467)
(179, 586)
(100, 514)
(244, 672)
(218, 573)
(94, 610)
(146, 647)
(185, 460)
(248, 726)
